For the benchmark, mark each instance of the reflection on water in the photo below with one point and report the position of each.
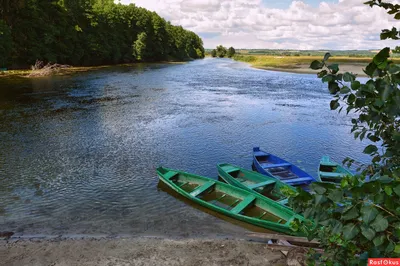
(78, 154)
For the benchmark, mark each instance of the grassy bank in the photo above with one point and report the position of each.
(300, 64)
(25, 73)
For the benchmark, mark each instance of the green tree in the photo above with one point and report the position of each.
(221, 51)
(140, 46)
(214, 53)
(360, 219)
(5, 44)
(231, 52)
(92, 32)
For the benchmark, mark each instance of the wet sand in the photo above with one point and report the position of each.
(138, 251)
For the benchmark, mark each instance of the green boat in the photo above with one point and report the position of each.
(231, 201)
(330, 171)
(254, 182)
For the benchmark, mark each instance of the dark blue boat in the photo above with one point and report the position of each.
(271, 165)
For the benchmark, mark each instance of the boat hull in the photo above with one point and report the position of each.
(276, 210)
(254, 182)
(273, 166)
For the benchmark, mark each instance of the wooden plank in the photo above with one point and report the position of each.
(242, 205)
(283, 237)
(202, 188)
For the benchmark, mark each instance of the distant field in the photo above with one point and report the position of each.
(294, 61)
(341, 53)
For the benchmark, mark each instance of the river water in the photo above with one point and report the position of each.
(78, 153)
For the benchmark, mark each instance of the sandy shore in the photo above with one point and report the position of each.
(138, 251)
(305, 69)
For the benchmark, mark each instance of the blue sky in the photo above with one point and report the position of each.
(279, 24)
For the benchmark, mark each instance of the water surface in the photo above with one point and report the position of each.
(78, 154)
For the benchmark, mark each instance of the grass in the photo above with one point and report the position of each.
(293, 62)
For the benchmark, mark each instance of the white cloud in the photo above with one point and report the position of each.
(347, 24)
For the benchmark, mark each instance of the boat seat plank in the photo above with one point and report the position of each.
(202, 188)
(330, 174)
(170, 174)
(271, 165)
(242, 205)
(299, 180)
(265, 183)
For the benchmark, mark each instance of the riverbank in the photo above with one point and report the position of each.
(25, 73)
(138, 251)
(301, 64)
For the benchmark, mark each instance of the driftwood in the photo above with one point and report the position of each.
(293, 240)
(41, 70)
(294, 248)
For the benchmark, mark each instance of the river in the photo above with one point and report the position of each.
(78, 153)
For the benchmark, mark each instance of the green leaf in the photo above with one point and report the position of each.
(350, 214)
(368, 232)
(336, 195)
(351, 98)
(380, 223)
(334, 104)
(368, 213)
(388, 190)
(350, 231)
(389, 247)
(318, 188)
(370, 69)
(382, 56)
(326, 56)
(319, 199)
(316, 65)
(397, 249)
(328, 78)
(322, 73)
(397, 190)
(334, 68)
(345, 90)
(355, 85)
(379, 240)
(370, 149)
(333, 87)
(348, 77)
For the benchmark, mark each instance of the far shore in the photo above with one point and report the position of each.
(356, 69)
(138, 251)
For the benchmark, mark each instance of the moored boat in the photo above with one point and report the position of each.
(330, 171)
(273, 166)
(231, 201)
(269, 187)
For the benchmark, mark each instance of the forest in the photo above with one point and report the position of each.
(89, 32)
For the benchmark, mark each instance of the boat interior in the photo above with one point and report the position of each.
(281, 170)
(233, 200)
(268, 188)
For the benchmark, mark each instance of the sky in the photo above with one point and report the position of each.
(279, 24)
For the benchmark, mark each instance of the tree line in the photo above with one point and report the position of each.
(89, 32)
(221, 52)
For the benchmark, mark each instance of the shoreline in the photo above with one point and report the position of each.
(24, 73)
(354, 68)
(139, 251)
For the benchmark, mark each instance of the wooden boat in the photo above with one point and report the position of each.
(330, 171)
(252, 181)
(273, 166)
(231, 201)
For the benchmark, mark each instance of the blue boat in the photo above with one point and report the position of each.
(273, 166)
